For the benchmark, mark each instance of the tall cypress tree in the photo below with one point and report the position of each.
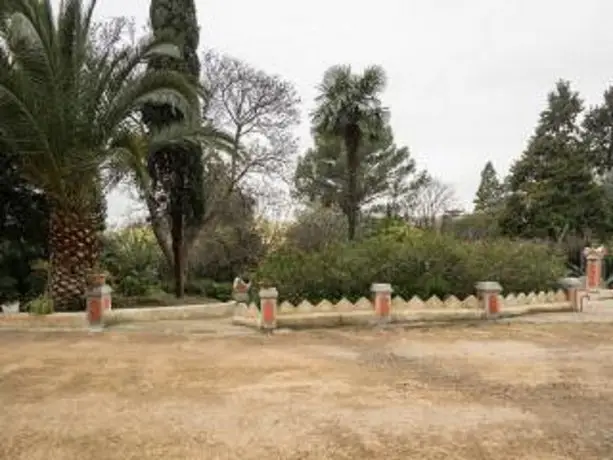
(176, 172)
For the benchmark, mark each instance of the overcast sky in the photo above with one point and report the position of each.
(467, 78)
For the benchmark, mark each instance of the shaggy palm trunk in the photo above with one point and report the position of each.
(74, 250)
(353, 163)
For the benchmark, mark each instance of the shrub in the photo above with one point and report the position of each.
(414, 262)
(42, 305)
(209, 288)
(225, 251)
(133, 259)
(317, 228)
(18, 281)
(476, 226)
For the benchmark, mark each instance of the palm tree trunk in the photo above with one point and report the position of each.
(353, 163)
(74, 250)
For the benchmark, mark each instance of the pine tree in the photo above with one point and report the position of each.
(489, 193)
(177, 172)
(552, 188)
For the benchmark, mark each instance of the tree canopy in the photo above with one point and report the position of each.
(349, 111)
(552, 188)
(489, 194)
(67, 91)
(176, 171)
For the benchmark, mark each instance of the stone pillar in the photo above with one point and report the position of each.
(268, 308)
(98, 300)
(382, 299)
(593, 267)
(574, 292)
(488, 293)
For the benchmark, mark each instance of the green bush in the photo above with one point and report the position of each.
(317, 228)
(209, 288)
(18, 281)
(133, 259)
(199, 287)
(42, 305)
(414, 262)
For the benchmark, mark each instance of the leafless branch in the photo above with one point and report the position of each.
(259, 110)
(429, 203)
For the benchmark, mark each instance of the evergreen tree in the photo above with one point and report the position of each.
(177, 172)
(489, 193)
(386, 174)
(24, 224)
(552, 188)
(598, 134)
(349, 111)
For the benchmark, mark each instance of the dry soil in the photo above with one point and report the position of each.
(495, 391)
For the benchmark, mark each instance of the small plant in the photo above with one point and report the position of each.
(132, 260)
(574, 270)
(42, 305)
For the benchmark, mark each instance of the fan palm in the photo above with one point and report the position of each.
(64, 98)
(348, 108)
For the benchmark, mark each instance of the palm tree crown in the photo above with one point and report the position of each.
(349, 104)
(64, 96)
(69, 92)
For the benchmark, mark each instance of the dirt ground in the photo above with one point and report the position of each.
(495, 391)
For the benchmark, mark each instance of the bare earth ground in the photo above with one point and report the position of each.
(495, 391)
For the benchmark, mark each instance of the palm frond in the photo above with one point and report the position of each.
(131, 149)
(66, 95)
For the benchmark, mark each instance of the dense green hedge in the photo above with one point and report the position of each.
(414, 262)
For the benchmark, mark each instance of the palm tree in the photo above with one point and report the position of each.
(66, 94)
(349, 108)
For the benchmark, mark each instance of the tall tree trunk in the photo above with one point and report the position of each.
(159, 224)
(179, 260)
(352, 143)
(178, 233)
(74, 250)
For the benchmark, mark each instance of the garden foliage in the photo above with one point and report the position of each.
(414, 262)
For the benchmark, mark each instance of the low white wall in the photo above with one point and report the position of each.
(205, 311)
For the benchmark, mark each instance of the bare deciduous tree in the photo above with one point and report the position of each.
(260, 112)
(430, 202)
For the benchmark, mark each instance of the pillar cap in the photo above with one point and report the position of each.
(269, 293)
(99, 290)
(381, 287)
(490, 286)
(595, 253)
(570, 282)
